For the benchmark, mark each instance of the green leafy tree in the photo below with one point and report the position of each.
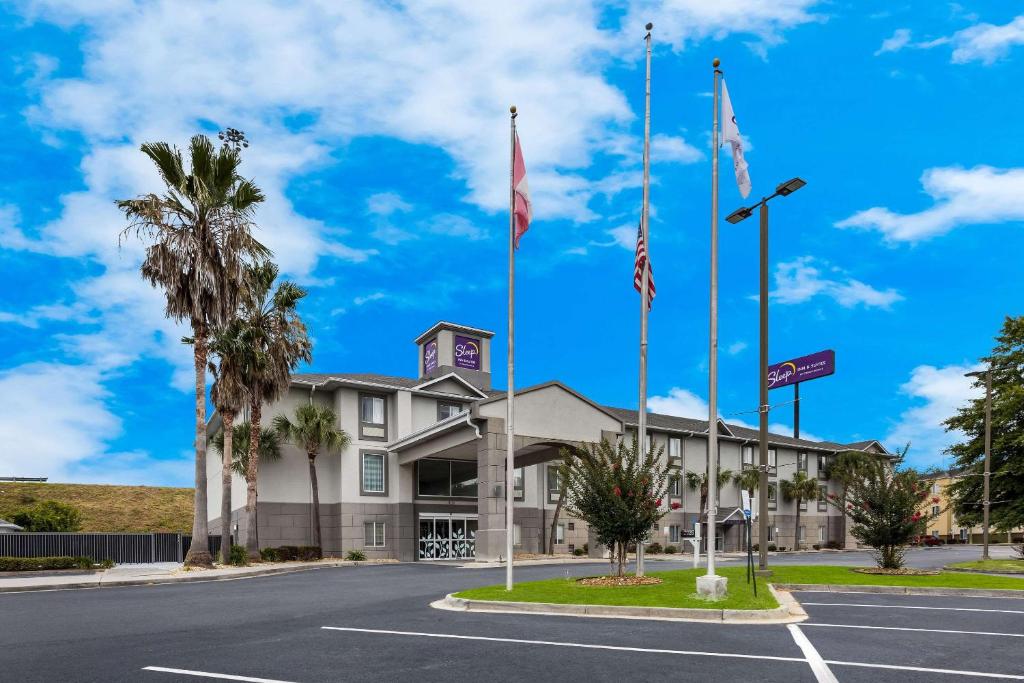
(227, 396)
(847, 467)
(199, 235)
(49, 515)
(270, 446)
(799, 489)
(315, 428)
(698, 481)
(1006, 481)
(617, 490)
(884, 507)
(273, 341)
(748, 480)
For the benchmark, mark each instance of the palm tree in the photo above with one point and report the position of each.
(227, 395)
(270, 446)
(748, 480)
(801, 489)
(847, 467)
(274, 341)
(698, 481)
(315, 428)
(200, 242)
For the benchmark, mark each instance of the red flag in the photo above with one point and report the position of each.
(638, 270)
(522, 209)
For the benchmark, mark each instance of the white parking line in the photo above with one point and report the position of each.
(956, 672)
(947, 609)
(208, 674)
(588, 646)
(821, 671)
(924, 630)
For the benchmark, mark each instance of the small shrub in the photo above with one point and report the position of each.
(355, 556)
(772, 548)
(586, 548)
(578, 552)
(105, 564)
(816, 546)
(35, 564)
(654, 548)
(755, 547)
(288, 553)
(49, 515)
(239, 556)
(309, 553)
(671, 550)
(833, 545)
(782, 548)
(931, 541)
(270, 555)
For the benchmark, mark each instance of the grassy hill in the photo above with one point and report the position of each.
(105, 507)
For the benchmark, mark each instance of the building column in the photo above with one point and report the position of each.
(490, 463)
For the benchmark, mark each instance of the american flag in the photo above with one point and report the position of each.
(638, 271)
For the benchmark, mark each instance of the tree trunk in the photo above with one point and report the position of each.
(623, 548)
(554, 520)
(842, 542)
(796, 531)
(316, 502)
(199, 552)
(252, 542)
(225, 485)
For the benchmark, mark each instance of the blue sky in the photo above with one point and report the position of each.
(379, 133)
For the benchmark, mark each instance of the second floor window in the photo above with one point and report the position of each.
(374, 476)
(801, 462)
(772, 465)
(822, 499)
(373, 417)
(675, 487)
(748, 457)
(822, 467)
(447, 409)
(554, 482)
(674, 447)
(772, 496)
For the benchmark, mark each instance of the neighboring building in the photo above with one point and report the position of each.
(946, 526)
(423, 477)
(9, 527)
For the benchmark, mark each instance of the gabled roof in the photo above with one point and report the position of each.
(476, 331)
(501, 395)
(452, 376)
(365, 377)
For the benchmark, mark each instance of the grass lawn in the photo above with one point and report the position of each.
(678, 589)
(107, 508)
(992, 565)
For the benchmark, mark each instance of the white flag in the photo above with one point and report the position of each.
(731, 134)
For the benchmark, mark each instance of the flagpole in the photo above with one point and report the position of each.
(713, 585)
(509, 418)
(645, 281)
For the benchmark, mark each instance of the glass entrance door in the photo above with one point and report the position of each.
(447, 537)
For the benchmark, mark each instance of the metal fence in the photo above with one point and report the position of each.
(121, 548)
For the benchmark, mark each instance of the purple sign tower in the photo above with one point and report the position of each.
(430, 356)
(820, 364)
(467, 352)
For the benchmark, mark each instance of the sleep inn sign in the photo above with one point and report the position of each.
(423, 475)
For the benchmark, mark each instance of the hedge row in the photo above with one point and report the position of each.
(35, 564)
(291, 553)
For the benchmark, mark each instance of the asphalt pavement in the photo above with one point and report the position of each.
(372, 623)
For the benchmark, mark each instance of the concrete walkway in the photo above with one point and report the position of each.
(157, 573)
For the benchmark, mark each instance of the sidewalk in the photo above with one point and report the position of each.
(158, 573)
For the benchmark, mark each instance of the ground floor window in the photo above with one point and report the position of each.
(447, 536)
(801, 533)
(517, 535)
(771, 532)
(821, 534)
(373, 534)
(963, 535)
(560, 533)
(673, 533)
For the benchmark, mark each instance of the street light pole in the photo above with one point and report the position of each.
(988, 462)
(783, 190)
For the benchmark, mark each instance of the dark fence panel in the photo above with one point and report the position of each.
(121, 548)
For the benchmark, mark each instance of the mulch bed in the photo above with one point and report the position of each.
(904, 571)
(619, 581)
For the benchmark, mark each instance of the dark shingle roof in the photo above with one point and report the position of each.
(390, 380)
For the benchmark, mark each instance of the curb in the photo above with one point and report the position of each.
(789, 610)
(190, 578)
(997, 572)
(904, 590)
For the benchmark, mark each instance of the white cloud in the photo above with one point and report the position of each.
(987, 43)
(736, 347)
(938, 393)
(624, 236)
(979, 195)
(672, 148)
(363, 300)
(899, 40)
(803, 279)
(387, 203)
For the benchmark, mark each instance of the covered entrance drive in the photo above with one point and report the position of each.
(444, 536)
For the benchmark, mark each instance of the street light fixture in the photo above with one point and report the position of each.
(782, 190)
(987, 374)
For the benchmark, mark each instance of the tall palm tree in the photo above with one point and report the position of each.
(270, 446)
(227, 395)
(315, 428)
(748, 480)
(801, 489)
(274, 341)
(199, 234)
(698, 481)
(847, 467)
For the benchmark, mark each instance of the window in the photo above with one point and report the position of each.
(935, 510)
(822, 499)
(771, 533)
(673, 533)
(674, 447)
(822, 466)
(771, 462)
(518, 487)
(553, 484)
(963, 535)
(572, 526)
(801, 462)
(517, 534)
(446, 478)
(748, 457)
(446, 410)
(373, 474)
(803, 506)
(773, 496)
(560, 534)
(373, 417)
(821, 534)
(935, 533)
(935, 488)
(801, 533)
(675, 487)
(373, 534)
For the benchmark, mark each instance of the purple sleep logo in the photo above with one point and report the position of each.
(820, 364)
(467, 352)
(430, 356)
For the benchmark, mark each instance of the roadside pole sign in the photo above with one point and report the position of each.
(802, 369)
(745, 497)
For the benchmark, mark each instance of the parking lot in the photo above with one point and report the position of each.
(375, 623)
